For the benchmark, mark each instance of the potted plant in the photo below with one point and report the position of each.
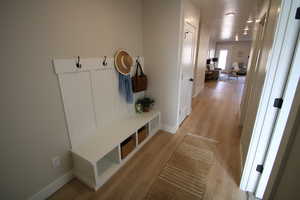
(144, 104)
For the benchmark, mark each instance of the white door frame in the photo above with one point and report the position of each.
(278, 66)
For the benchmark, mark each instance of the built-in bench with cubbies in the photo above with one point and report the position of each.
(100, 157)
(104, 130)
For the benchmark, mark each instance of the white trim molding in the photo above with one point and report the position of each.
(170, 129)
(53, 187)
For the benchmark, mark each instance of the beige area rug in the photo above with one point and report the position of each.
(184, 177)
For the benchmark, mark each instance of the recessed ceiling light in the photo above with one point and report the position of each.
(257, 21)
(249, 21)
(230, 14)
(245, 33)
(246, 28)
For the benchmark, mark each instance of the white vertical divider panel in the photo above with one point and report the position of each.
(78, 104)
(104, 85)
(91, 96)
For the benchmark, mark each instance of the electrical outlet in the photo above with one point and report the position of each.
(56, 162)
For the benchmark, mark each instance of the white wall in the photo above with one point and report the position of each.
(163, 33)
(237, 51)
(191, 14)
(33, 128)
(161, 42)
(257, 73)
(262, 10)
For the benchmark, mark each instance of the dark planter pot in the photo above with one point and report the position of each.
(146, 109)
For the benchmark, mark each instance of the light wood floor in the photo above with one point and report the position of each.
(214, 116)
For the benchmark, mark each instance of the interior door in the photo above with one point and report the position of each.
(187, 72)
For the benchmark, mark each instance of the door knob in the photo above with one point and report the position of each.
(191, 79)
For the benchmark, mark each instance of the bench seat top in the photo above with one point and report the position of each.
(109, 137)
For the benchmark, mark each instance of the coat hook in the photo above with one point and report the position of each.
(78, 65)
(137, 59)
(104, 63)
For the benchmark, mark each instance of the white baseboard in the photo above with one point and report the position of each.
(242, 156)
(53, 187)
(170, 129)
(197, 93)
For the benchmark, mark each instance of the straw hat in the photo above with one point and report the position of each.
(123, 62)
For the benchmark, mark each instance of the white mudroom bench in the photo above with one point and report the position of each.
(104, 130)
(99, 157)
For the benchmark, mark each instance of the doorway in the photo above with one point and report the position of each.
(187, 71)
(223, 59)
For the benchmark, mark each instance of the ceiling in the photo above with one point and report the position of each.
(225, 27)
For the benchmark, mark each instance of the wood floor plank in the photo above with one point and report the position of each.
(214, 116)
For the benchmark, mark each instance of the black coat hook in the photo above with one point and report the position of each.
(78, 65)
(137, 59)
(104, 63)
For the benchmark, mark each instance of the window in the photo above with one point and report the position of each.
(222, 59)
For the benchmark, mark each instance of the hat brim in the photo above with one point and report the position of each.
(123, 62)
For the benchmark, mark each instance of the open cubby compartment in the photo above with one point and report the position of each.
(142, 133)
(108, 162)
(128, 146)
(107, 166)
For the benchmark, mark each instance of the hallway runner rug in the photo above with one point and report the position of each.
(184, 177)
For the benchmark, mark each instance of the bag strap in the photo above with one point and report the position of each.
(138, 66)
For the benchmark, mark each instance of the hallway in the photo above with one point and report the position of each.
(214, 118)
